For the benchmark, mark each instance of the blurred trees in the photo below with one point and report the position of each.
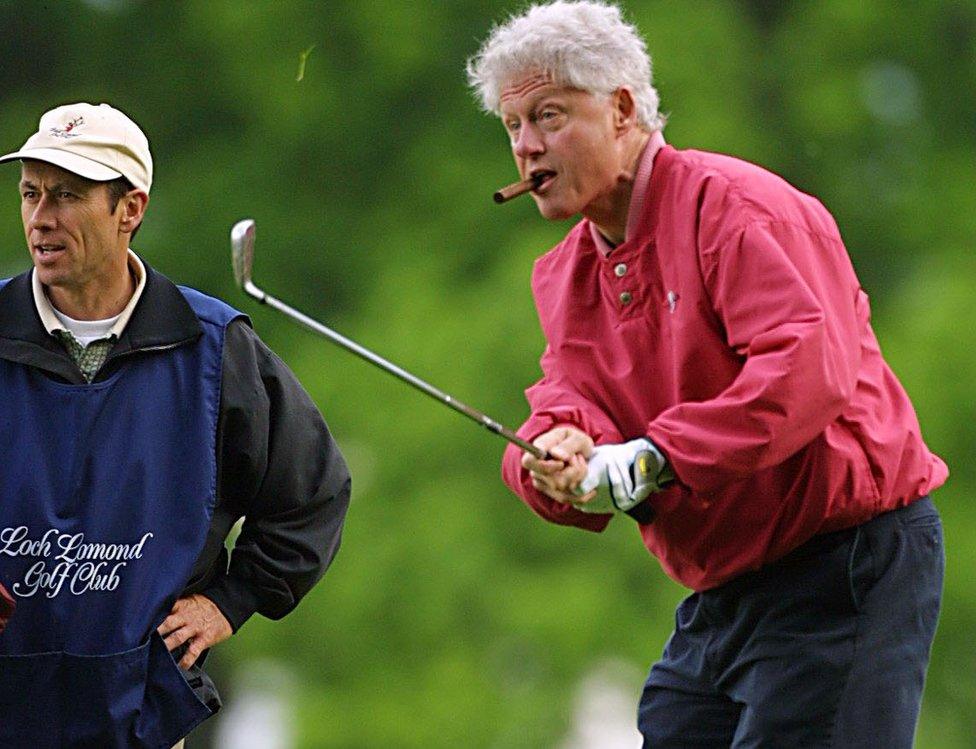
(452, 616)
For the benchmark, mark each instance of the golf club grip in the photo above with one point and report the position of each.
(391, 368)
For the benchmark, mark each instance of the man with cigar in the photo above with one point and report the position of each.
(140, 421)
(711, 372)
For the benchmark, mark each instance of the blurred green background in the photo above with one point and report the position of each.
(453, 616)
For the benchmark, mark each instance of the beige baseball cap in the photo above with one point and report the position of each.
(95, 142)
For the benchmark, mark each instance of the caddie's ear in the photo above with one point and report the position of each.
(624, 109)
(131, 209)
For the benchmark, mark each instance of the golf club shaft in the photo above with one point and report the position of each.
(393, 369)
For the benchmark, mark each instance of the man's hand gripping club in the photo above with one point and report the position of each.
(559, 475)
(604, 479)
(622, 476)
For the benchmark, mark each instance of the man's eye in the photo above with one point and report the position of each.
(512, 126)
(65, 195)
(550, 118)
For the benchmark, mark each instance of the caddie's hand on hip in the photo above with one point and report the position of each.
(197, 621)
(558, 477)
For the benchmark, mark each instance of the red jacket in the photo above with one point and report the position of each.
(745, 352)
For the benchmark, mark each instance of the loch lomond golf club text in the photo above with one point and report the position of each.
(66, 562)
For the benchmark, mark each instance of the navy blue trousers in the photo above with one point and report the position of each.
(825, 648)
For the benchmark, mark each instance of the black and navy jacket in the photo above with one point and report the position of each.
(116, 497)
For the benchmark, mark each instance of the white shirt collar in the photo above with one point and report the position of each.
(51, 322)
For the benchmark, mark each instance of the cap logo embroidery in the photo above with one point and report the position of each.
(65, 132)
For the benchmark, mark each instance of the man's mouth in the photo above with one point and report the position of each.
(543, 178)
(48, 251)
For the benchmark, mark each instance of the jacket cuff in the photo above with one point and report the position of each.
(570, 416)
(235, 601)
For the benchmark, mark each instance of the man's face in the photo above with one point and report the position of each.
(566, 134)
(72, 236)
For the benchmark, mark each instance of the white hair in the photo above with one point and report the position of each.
(585, 45)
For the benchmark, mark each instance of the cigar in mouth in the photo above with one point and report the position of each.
(519, 188)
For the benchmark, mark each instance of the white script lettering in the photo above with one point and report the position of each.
(85, 566)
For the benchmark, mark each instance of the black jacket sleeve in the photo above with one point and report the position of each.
(280, 469)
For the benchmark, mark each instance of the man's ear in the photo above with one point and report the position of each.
(132, 206)
(624, 109)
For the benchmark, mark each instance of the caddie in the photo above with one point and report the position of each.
(710, 370)
(139, 421)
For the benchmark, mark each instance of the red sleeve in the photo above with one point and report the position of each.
(786, 298)
(553, 404)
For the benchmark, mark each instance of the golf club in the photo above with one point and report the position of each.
(242, 249)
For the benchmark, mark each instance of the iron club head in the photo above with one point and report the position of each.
(242, 250)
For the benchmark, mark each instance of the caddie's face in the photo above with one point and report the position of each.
(567, 135)
(72, 236)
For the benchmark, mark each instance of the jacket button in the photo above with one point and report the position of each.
(626, 298)
(620, 269)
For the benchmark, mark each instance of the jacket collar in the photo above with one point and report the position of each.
(162, 319)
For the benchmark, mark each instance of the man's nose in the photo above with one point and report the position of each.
(528, 142)
(42, 214)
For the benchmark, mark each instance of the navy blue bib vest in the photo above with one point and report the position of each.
(106, 494)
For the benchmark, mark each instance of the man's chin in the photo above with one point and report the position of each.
(48, 276)
(553, 211)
